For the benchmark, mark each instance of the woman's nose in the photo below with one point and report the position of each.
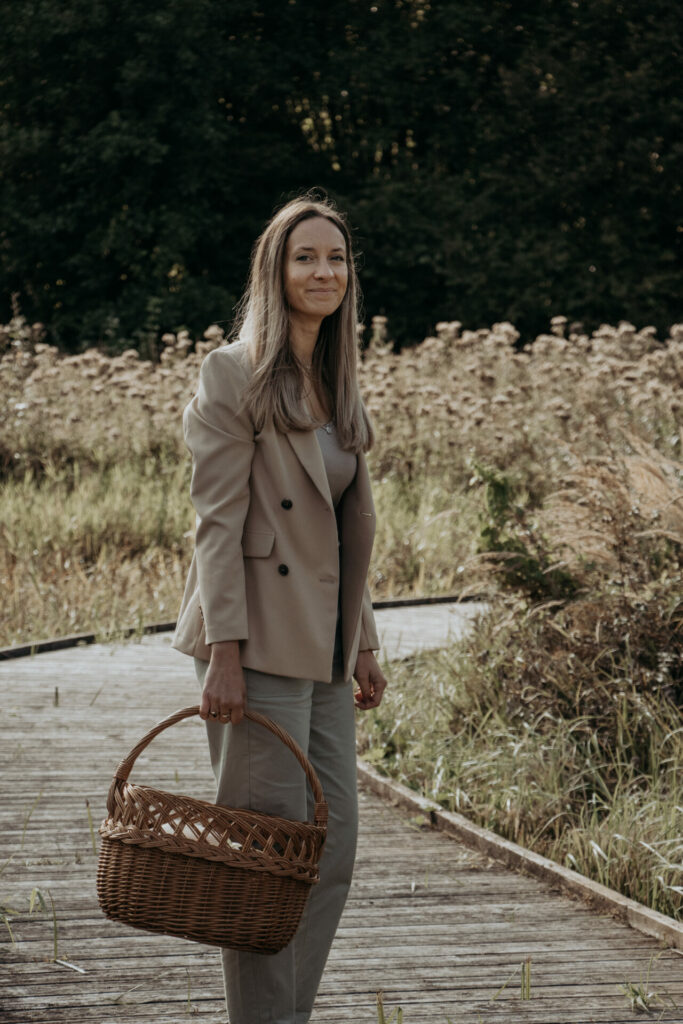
(323, 269)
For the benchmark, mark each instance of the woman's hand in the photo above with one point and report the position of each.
(224, 696)
(370, 679)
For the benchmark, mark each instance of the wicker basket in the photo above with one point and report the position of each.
(219, 875)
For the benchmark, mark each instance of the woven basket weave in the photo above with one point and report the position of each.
(220, 875)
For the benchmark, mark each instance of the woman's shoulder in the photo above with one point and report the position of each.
(223, 381)
(228, 359)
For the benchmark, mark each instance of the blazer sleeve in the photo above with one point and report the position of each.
(220, 436)
(368, 629)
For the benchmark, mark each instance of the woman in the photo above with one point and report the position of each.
(276, 610)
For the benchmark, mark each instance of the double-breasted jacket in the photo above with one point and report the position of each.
(271, 556)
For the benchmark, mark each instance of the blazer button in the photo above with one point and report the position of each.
(283, 569)
(286, 503)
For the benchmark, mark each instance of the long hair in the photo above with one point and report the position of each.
(276, 388)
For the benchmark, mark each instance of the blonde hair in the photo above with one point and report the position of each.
(276, 388)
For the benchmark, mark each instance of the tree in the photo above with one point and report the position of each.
(496, 164)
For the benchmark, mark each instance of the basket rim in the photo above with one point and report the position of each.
(125, 766)
(217, 833)
(264, 816)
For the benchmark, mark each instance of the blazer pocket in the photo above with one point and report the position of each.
(257, 543)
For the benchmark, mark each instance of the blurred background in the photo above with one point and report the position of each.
(498, 160)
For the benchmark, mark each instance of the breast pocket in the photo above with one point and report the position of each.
(257, 543)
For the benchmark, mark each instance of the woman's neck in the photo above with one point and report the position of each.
(303, 335)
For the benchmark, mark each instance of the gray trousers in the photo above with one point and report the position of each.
(254, 769)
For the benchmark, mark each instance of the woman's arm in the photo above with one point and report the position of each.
(368, 674)
(220, 436)
(368, 629)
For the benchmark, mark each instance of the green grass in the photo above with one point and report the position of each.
(552, 782)
(426, 538)
(94, 551)
(87, 550)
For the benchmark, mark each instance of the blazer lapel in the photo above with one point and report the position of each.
(307, 451)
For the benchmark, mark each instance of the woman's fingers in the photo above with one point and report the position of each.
(221, 710)
(234, 714)
(224, 695)
(364, 692)
(204, 706)
(371, 688)
(370, 679)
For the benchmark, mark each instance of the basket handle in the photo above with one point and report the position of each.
(126, 765)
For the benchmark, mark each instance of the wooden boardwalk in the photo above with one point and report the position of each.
(439, 928)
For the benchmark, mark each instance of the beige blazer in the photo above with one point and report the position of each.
(268, 560)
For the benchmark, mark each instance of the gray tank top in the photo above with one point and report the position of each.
(340, 465)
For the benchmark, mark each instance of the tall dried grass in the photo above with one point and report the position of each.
(90, 443)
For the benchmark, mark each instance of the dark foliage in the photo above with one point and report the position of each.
(611, 661)
(497, 163)
(523, 559)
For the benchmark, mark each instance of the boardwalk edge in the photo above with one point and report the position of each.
(651, 922)
(61, 643)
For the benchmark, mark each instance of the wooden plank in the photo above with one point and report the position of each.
(636, 914)
(440, 927)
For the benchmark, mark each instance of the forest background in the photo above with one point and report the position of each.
(516, 167)
(498, 161)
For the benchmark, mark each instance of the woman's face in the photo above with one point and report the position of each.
(315, 272)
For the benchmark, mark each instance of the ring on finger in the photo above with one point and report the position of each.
(214, 714)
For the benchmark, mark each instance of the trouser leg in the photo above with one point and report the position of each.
(332, 751)
(254, 769)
